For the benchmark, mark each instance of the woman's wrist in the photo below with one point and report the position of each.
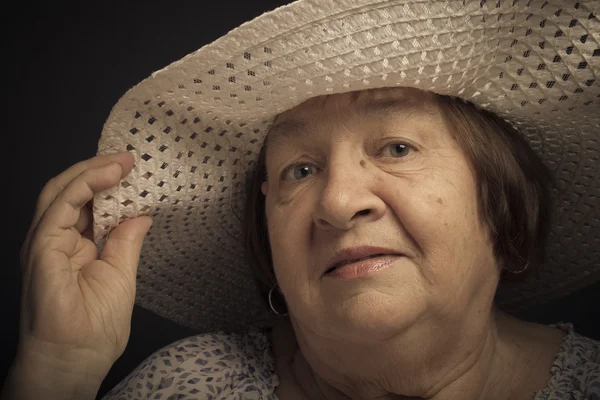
(40, 377)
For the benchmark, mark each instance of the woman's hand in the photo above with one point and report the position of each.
(76, 304)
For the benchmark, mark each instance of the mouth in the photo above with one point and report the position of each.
(341, 264)
(360, 257)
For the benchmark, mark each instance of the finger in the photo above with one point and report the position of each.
(85, 222)
(124, 245)
(89, 233)
(58, 183)
(85, 218)
(66, 208)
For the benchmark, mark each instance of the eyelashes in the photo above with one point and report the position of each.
(296, 171)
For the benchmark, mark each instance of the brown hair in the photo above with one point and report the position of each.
(513, 189)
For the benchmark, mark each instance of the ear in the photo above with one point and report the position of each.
(264, 187)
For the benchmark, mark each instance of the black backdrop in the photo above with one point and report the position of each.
(68, 64)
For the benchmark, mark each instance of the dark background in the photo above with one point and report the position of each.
(68, 64)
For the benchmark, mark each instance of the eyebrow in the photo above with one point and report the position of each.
(377, 109)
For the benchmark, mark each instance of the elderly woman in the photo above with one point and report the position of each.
(386, 215)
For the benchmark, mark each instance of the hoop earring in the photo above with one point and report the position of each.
(271, 302)
(519, 271)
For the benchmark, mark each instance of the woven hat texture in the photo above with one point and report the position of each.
(196, 127)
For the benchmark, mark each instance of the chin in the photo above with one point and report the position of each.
(370, 317)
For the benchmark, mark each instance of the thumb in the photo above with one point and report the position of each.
(124, 244)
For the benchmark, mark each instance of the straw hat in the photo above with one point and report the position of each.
(196, 128)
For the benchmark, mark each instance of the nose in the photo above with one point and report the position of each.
(347, 197)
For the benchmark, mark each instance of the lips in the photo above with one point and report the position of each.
(341, 264)
(354, 254)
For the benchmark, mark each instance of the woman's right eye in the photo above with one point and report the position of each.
(298, 172)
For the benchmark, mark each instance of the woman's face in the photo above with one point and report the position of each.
(378, 169)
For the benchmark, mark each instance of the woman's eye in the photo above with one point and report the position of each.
(398, 150)
(298, 172)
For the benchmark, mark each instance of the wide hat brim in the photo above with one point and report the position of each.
(196, 127)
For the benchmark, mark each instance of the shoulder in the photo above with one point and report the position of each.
(210, 363)
(575, 373)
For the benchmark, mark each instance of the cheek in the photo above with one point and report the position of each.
(438, 211)
(453, 203)
(289, 234)
(428, 206)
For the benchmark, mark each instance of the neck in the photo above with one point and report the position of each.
(467, 362)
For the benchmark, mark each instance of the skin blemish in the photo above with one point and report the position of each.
(439, 200)
(362, 163)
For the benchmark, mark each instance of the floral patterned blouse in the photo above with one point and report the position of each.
(221, 366)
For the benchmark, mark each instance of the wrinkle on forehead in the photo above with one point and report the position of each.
(299, 121)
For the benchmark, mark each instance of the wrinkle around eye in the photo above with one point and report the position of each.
(288, 192)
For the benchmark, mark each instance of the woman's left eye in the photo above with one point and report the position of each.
(298, 172)
(398, 150)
